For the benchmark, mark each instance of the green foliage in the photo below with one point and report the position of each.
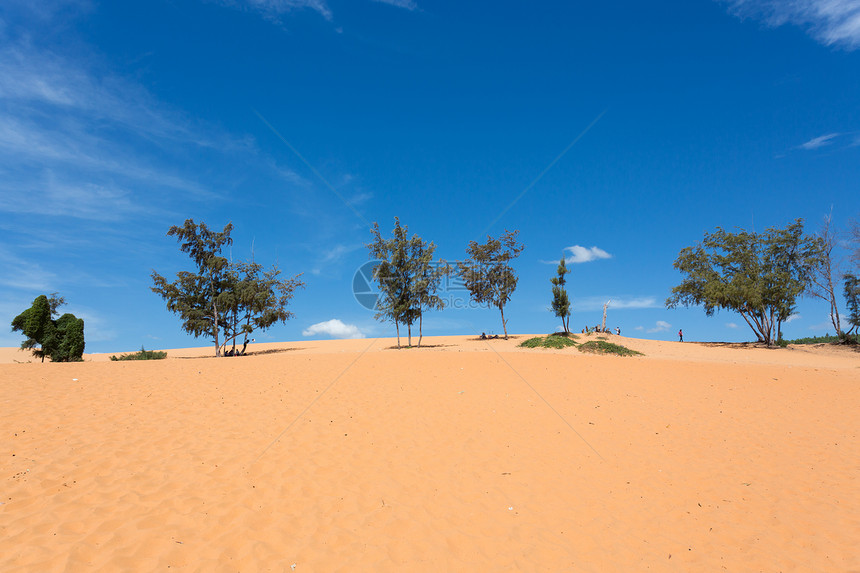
(551, 341)
(758, 275)
(408, 278)
(255, 300)
(827, 338)
(603, 347)
(60, 340)
(71, 344)
(560, 300)
(222, 298)
(852, 300)
(141, 354)
(487, 272)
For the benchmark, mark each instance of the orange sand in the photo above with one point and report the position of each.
(467, 456)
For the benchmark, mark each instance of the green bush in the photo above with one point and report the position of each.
(557, 341)
(603, 347)
(141, 354)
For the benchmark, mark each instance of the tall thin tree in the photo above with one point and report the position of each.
(824, 271)
(560, 300)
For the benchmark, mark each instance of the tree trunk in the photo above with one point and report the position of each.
(504, 324)
(217, 330)
(397, 326)
(834, 314)
(409, 333)
(420, 328)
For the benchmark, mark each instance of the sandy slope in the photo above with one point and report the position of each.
(469, 455)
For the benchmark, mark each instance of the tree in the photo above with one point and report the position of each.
(407, 276)
(60, 340)
(560, 301)
(758, 275)
(255, 299)
(428, 278)
(822, 285)
(487, 272)
(70, 347)
(854, 242)
(852, 298)
(221, 295)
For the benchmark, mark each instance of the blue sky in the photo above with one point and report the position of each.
(615, 134)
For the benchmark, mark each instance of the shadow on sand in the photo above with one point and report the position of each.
(250, 353)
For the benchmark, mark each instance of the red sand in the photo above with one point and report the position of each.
(470, 455)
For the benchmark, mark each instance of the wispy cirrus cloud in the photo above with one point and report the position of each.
(91, 144)
(820, 141)
(273, 9)
(593, 303)
(405, 4)
(24, 274)
(830, 22)
(333, 257)
(579, 254)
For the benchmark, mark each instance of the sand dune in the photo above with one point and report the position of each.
(467, 455)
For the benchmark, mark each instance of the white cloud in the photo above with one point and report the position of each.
(592, 303)
(96, 327)
(580, 254)
(819, 141)
(333, 256)
(731, 325)
(274, 9)
(406, 4)
(24, 274)
(831, 22)
(334, 328)
(792, 318)
(660, 326)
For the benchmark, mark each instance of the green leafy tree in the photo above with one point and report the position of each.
(255, 300)
(758, 275)
(428, 277)
(407, 276)
(60, 340)
(70, 346)
(560, 300)
(488, 274)
(221, 298)
(391, 274)
(852, 299)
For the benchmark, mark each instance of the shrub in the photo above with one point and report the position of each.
(603, 347)
(557, 341)
(141, 354)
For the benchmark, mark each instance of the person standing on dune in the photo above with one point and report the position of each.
(680, 335)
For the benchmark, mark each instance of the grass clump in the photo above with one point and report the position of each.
(141, 354)
(557, 341)
(603, 347)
